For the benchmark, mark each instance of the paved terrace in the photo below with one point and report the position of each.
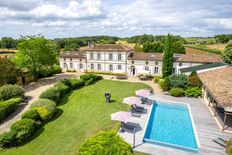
(206, 128)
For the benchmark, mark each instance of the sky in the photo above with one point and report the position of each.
(123, 18)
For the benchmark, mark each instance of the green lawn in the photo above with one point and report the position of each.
(82, 114)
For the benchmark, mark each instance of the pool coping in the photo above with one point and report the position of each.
(183, 148)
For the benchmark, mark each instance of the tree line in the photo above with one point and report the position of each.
(223, 38)
(156, 43)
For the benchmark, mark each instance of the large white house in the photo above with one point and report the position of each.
(117, 58)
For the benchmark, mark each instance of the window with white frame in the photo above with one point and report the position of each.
(110, 56)
(99, 56)
(119, 67)
(146, 68)
(156, 70)
(111, 67)
(119, 57)
(99, 66)
(173, 70)
(91, 55)
(92, 66)
(81, 66)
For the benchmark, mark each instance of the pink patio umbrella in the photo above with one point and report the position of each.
(143, 92)
(132, 100)
(121, 116)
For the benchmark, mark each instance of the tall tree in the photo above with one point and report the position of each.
(8, 72)
(227, 53)
(34, 54)
(168, 57)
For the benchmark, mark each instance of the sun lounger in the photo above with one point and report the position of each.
(220, 141)
(129, 127)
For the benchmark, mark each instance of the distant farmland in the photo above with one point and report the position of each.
(7, 52)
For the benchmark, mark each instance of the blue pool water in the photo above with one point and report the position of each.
(170, 125)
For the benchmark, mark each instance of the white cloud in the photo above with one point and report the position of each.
(121, 18)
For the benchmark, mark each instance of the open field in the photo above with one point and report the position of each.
(217, 46)
(124, 42)
(81, 115)
(194, 39)
(7, 52)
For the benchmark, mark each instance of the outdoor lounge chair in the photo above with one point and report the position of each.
(220, 141)
(138, 109)
(129, 127)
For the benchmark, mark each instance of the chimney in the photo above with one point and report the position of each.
(90, 44)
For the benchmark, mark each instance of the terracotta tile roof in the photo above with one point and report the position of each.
(72, 54)
(204, 58)
(108, 47)
(146, 56)
(197, 58)
(219, 84)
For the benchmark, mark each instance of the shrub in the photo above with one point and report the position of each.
(177, 92)
(105, 143)
(46, 108)
(89, 82)
(76, 83)
(193, 92)
(229, 147)
(66, 82)
(49, 71)
(7, 107)
(56, 69)
(178, 81)
(24, 129)
(194, 80)
(156, 79)
(31, 114)
(44, 113)
(51, 94)
(164, 84)
(11, 91)
(8, 139)
(87, 77)
(62, 88)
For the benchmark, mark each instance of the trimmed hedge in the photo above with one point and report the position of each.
(8, 139)
(24, 129)
(7, 107)
(31, 114)
(164, 84)
(76, 83)
(62, 88)
(105, 143)
(193, 92)
(156, 79)
(51, 94)
(90, 78)
(11, 91)
(177, 92)
(45, 107)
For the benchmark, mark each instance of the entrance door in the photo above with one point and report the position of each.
(133, 70)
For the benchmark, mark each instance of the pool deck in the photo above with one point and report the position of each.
(205, 124)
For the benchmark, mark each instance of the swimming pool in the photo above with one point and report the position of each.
(170, 125)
